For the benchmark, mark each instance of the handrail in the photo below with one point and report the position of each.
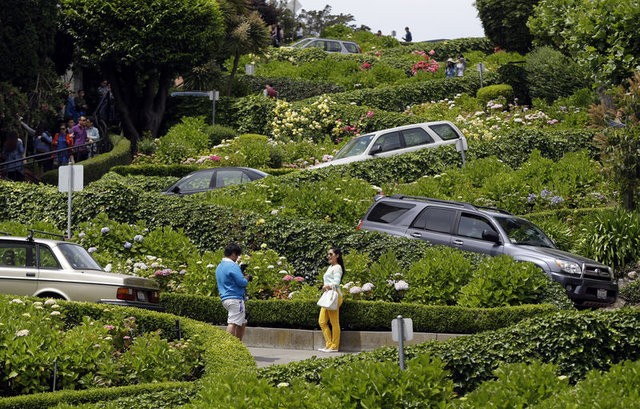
(45, 154)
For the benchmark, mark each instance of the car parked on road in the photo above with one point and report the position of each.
(50, 268)
(214, 178)
(494, 232)
(398, 140)
(329, 45)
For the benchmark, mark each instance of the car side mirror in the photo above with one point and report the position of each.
(490, 235)
(377, 148)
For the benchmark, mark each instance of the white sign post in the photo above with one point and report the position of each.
(481, 68)
(401, 330)
(70, 179)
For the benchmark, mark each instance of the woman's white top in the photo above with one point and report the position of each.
(332, 277)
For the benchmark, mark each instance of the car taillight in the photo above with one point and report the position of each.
(154, 297)
(359, 226)
(127, 294)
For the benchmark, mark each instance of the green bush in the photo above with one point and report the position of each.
(219, 133)
(502, 281)
(437, 278)
(551, 74)
(494, 92)
(630, 292)
(96, 167)
(356, 315)
(612, 237)
(182, 141)
(517, 385)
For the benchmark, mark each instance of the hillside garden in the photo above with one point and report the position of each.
(554, 161)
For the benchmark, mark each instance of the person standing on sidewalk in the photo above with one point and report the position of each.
(232, 285)
(331, 281)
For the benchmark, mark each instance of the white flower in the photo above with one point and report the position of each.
(151, 258)
(270, 266)
(92, 249)
(210, 265)
(274, 212)
(283, 384)
(127, 245)
(401, 285)
(50, 301)
(367, 287)
(283, 272)
(355, 290)
(37, 303)
(26, 315)
(105, 230)
(22, 333)
(55, 313)
(138, 237)
(263, 246)
(348, 285)
(54, 306)
(17, 301)
(108, 267)
(81, 234)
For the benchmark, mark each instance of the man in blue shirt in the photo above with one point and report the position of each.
(232, 285)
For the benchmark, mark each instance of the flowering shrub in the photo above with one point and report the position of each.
(428, 64)
(314, 121)
(95, 353)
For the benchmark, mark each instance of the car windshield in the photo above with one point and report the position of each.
(301, 43)
(523, 232)
(356, 146)
(78, 257)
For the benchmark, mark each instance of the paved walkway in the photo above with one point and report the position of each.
(279, 356)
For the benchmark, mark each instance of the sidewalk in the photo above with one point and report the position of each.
(280, 356)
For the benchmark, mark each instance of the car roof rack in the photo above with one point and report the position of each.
(31, 231)
(463, 205)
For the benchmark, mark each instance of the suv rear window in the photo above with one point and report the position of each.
(445, 131)
(388, 212)
(435, 219)
(351, 47)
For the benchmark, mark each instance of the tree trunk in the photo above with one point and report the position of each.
(234, 70)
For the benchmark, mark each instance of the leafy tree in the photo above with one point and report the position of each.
(602, 35)
(504, 22)
(317, 20)
(140, 47)
(551, 74)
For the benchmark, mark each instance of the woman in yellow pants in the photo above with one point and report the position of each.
(331, 281)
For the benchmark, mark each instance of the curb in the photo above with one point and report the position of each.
(350, 341)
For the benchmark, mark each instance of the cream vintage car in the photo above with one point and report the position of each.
(58, 269)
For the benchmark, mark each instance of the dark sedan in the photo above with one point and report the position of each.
(214, 178)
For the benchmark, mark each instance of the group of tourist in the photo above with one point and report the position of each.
(455, 68)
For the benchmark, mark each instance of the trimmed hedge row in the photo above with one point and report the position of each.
(222, 353)
(177, 170)
(398, 97)
(97, 166)
(356, 315)
(575, 341)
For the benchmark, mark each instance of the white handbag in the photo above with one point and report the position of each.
(329, 300)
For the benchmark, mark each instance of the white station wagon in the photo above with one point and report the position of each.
(399, 140)
(57, 269)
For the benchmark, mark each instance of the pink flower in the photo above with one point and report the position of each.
(369, 114)
(109, 327)
(215, 158)
(365, 66)
(288, 277)
(299, 279)
(432, 52)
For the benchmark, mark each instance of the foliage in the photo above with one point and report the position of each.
(437, 278)
(110, 348)
(551, 75)
(504, 23)
(184, 140)
(13, 103)
(140, 50)
(518, 385)
(600, 35)
(500, 281)
(576, 342)
(494, 92)
(630, 292)
(612, 237)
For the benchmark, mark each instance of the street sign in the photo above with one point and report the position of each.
(72, 175)
(407, 326)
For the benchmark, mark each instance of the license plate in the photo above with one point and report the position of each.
(142, 296)
(602, 293)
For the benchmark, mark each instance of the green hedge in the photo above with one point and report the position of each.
(575, 341)
(222, 353)
(356, 315)
(97, 166)
(176, 170)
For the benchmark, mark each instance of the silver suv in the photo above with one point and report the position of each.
(329, 45)
(58, 269)
(492, 231)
